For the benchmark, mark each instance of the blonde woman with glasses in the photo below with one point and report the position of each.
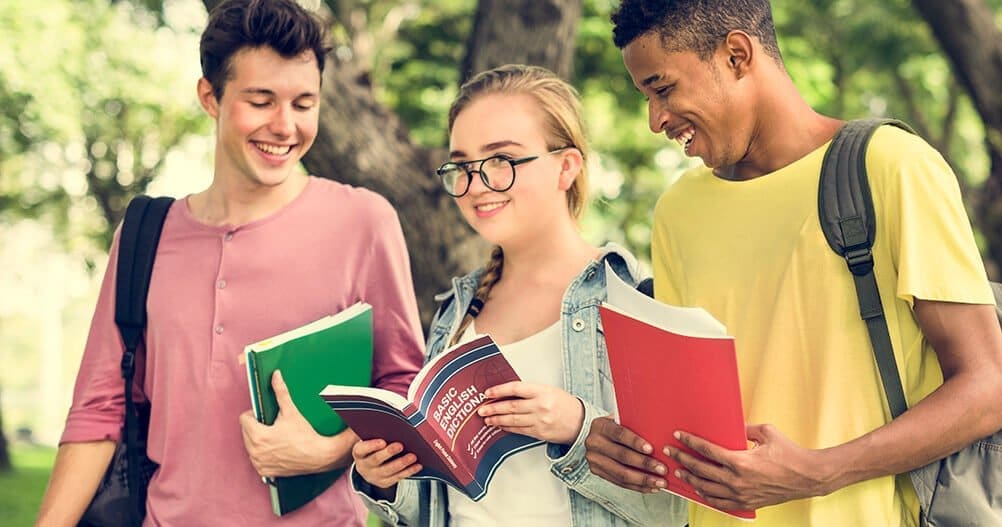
(517, 168)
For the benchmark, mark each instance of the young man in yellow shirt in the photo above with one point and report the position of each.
(741, 238)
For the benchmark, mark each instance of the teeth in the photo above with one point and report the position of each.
(489, 206)
(276, 150)
(685, 138)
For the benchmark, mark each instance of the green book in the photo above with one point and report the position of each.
(336, 349)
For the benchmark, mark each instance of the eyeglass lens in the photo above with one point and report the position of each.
(497, 173)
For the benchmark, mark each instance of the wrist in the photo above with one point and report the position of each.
(338, 449)
(829, 471)
(576, 421)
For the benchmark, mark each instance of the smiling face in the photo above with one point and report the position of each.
(512, 126)
(267, 117)
(690, 100)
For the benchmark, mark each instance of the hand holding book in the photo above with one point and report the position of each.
(438, 421)
(384, 465)
(290, 446)
(336, 348)
(674, 369)
(536, 410)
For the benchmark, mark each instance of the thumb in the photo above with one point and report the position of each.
(757, 434)
(248, 422)
(285, 403)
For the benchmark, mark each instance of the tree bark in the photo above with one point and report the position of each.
(363, 143)
(539, 32)
(972, 41)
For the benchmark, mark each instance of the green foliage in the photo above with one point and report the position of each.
(417, 73)
(88, 110)
(103, 68)
(849, 58)
(21, 489)
(852, 58)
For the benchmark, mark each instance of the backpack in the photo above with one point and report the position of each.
(966, 487)
(121, 497)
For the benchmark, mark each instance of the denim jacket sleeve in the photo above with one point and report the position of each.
(402, 511)
(570, 466)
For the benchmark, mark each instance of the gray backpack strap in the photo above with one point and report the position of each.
(845, 208)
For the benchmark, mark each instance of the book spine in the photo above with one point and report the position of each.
(255, 394)
(255, 386)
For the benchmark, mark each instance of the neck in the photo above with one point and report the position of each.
(786, 130)
(555, 258)
(229, 203)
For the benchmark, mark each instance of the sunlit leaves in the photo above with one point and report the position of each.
(92, 98)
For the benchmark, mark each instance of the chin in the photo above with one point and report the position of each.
(491, 234)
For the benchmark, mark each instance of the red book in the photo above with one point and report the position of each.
(438, 419)
(673, 368)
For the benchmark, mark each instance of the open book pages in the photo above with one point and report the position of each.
(689, 321)
(439, 422)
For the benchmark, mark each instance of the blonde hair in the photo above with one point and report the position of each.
(562, 128)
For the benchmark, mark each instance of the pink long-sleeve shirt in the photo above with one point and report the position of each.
(217, 288)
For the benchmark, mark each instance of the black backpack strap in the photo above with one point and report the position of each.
(845, 208)
(137, 247)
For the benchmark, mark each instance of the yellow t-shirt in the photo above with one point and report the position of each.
(752, 253)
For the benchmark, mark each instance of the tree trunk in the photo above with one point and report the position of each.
(967, 31)
(362, 143)
(539, 32)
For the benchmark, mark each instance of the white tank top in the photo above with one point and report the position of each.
(523, 492)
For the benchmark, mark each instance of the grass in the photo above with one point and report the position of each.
(21, 489)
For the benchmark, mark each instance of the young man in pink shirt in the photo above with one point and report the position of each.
(262, 250)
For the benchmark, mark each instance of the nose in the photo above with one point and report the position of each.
(658, 117)
(283, 123)
(477, 185)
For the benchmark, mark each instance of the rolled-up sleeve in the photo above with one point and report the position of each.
(98, 396)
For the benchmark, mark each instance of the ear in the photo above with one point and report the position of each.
(207, 98)
(739, 50)
(571, 163)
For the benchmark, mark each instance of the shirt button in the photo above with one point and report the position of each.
(578, 324)
(567, 470)
(590, 275)
(221, 284)
(219, 330)
(228, 236)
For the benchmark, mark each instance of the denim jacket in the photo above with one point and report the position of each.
(594, 501)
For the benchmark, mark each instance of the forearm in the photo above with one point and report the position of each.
(959, 412)
(643, 509)
(338, 447)
(75, 477)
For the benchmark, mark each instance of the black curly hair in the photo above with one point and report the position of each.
(694, 25)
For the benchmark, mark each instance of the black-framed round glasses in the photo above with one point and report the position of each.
(497, 172)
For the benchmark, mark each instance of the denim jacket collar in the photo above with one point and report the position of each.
(464, 287)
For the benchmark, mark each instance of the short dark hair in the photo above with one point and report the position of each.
(282, 25)
(694, 25)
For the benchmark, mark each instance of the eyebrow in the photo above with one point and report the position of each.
(271, 93)
(496, 145)
(651, 80)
